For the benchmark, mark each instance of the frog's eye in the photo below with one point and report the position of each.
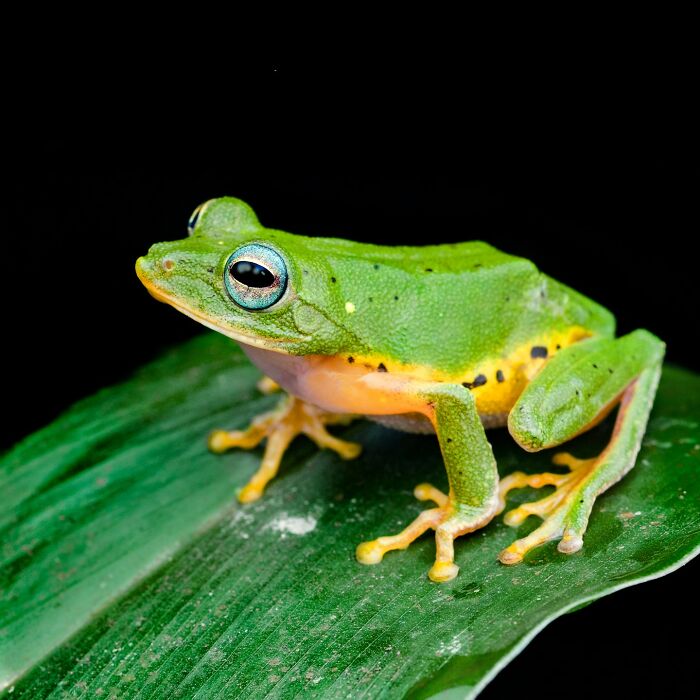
(195, 216)
(255, 276)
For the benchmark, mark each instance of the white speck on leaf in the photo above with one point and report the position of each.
(292, 524)
(454, 646)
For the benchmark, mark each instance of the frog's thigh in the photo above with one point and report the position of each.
(471, 473)
(572, 393)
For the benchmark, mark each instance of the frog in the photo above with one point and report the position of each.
(450, 339)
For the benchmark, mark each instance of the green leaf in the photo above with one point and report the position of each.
(129, 569)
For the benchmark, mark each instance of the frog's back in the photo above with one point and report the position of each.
(456, 257)
(451, 306)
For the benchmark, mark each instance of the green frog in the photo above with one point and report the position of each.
(448, 339)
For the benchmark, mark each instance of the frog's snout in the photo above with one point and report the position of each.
(144, 269)
(149, 271)
(147, 267)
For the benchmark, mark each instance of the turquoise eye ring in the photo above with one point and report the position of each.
(255, 276)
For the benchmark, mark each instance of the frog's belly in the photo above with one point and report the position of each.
(418, 423)
(342, 388)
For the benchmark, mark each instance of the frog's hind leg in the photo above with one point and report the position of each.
(553, 409)
(280, 426)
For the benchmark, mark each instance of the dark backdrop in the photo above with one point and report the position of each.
(76, 318)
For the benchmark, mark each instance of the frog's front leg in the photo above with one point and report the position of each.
(471, 472)
(280, 426)
(572, 393)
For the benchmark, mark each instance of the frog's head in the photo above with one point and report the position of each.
(261, 287)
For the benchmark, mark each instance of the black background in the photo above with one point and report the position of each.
(618, 227)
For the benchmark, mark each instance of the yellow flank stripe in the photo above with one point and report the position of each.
(517, 370)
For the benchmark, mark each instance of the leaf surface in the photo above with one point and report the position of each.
(128, 569)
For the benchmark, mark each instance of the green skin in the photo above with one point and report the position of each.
(443, 308)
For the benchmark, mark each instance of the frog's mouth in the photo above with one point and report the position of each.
(236, 335)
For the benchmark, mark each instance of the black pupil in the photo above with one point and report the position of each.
(251, 274)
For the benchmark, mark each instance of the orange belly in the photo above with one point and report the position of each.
(380, 387)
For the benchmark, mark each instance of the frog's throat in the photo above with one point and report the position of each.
(255, 341)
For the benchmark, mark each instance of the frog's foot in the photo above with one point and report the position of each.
(449, 520)
(291, 418)
(565, 512)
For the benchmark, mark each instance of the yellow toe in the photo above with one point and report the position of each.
(219, 441)
(249, 493)
(510, 556)
(369, 552)
(349, 450)
(570, 543)
(442, 571)
(515, 517)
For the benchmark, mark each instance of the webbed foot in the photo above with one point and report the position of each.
(449, 520)
(292, 417)
(565, 512)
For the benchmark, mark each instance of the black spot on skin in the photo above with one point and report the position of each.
(395, 298)
(333, 279)
(610, 370)
(210, 269)
(538, 351)
(479, 380)
(499, 376)
(428, 269)
(578, 393)
(449, 439)
(543, 294)
(478, 265)
(558, 346)
(381, 367)
(507, 298)
(595, 366)
(370, 298)
(367, 365)
(581, 501)
(375, 266)
(430, 404)
(351, 359)
(306, 272)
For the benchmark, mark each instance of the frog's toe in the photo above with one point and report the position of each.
(570, 543)
(427, 492)
(442, 571)
(370, 552)
(373, 551)
(250, 492)
(553, 528)
(565, 511)
(222, 440)
(292, 417)
(267, 386)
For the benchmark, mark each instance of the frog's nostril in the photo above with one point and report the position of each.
(168, 264)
